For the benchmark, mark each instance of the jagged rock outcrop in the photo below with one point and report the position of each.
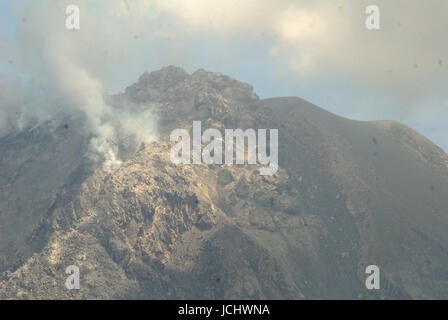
(347, 194)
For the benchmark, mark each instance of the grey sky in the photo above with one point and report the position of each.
(319, 50)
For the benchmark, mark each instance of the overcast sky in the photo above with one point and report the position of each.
(319, 50)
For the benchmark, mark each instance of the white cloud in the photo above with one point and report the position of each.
(315, 39)
(320, 37)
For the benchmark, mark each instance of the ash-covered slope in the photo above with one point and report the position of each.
(347, 194)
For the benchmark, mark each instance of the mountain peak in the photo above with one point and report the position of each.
(347, 194)
(166, 77)
(171, 81)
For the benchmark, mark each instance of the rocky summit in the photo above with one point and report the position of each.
(347, 194)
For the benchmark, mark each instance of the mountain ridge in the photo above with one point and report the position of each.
(347, 194)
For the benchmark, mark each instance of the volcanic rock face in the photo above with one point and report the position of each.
(347, 194)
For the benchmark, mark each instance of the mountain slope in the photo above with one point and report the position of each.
(347, 194)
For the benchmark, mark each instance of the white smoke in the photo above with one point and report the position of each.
(319, 41)
(68, 68)
(10, 97)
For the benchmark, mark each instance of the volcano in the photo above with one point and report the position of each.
(347, 194)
